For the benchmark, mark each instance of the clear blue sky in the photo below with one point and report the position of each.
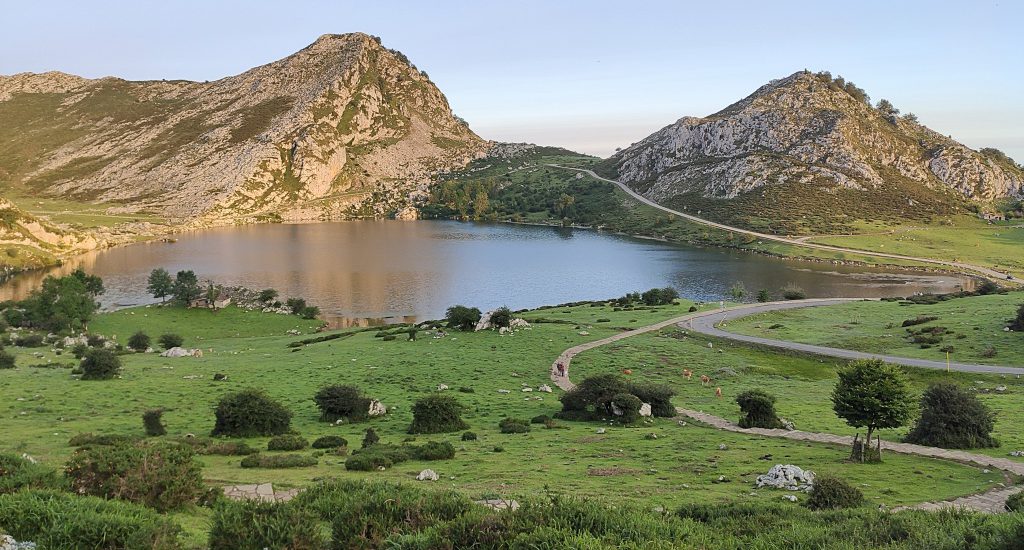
(590, 76)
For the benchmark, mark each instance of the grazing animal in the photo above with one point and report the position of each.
(688, 374)
(627, 371)
(718, 393)
(705, 380)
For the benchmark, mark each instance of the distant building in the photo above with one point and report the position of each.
(222, 301)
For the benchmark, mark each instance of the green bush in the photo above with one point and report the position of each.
(829, 492)
(29, 341)
(629, 405)
(81, 440)
(540, 419)
(278, 461)
(659, 296)
(501, 317)
(338, 401)
(287, 442)
(330, 442)
(309, 312)
(206, 446)
(513, 426)
(370, 438)
(758, 408)
(250, 413)
(594, 392)
(251, 525)
(953, 418)
(100, 364)
(170, 340)
(659, 396)
(151, 421)
(793, 292)
(469, 436)
(162, 475)
(6, 360)
(434, 450)
(437, 413)
(1015, 502)
(139, 341)
(368, 462)
(54, 520)
(17, 473)
(462, 317)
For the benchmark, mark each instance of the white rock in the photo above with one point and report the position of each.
(791, 498)
(427, 475)
(377, 408)
(786, 476)
(645, 409)
(544, 388)
(182, 352)
(527, 389)
(1016, 453)
(442, 387)
(601, 430)
(504, 391)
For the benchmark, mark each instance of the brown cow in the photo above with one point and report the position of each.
(688, 374)
(705, 380)
(718, 393)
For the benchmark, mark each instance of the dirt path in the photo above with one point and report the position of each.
(989, 273)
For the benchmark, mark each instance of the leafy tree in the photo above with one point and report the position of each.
(659, 396)
(370, 438)
(659, 296)
(211, 294)
(953, 418)
(250, 413)
(296, 305)
(887, 108)
(437, 413)
(161, 285)
(462, 317)
(501, 317)
(100, 364)
(873, 395)
(153, 423)
(186, 287)
(764, 295)
(65, 303)
(93, 284)
(338, 401)
(139, 341)
(6, 360)
(594, 391)
(758, 409)
(169, 341)
(911, 118)
(829, 493)
(268, 295)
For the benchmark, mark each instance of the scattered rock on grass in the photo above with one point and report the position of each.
(427, 475)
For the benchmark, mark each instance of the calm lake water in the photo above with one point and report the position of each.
(376, 271)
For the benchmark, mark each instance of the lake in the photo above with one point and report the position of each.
(370, 272)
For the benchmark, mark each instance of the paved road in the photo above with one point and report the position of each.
(707, 324)
(990, 273)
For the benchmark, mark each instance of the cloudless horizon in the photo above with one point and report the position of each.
(588, 76)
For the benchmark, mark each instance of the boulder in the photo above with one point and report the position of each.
(484, 323)
(376, 408)
(544, 388)
(181, 352)
(645, 409)
(786, 476)
(427, 475)
(442, 387)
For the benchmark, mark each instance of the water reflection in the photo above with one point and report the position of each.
(373, 272)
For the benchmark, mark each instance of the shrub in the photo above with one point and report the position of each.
(1017, 323)
(658, 396)
(139, 341)
(830, 492)
(250, 413)
(764, 295)
(919, 320)
(501, 317)
(226, 448)
(84, 439)
(54, 519)
(434, 450)
(287, 442)
(540, 419)
(793, 292)
(469, 436)
(161, 475)
(513, 426)
(17, 473)
(151, 421)
(758, 408)
(629, 407)
(170, 340)
(1015, 502)
(278, 461)
(309, 312)
(437, 414)
(267, 295)
(100, 364)
(368, 462)
(296, 305)
(389, 338)
(338, 401)
(595, 393)
(330, 442)
(253, 525)
(79, 350)
(370, 438)
(692, 309)
(659, 296)
(953, 418)
(29, 341)
(94, 340)
(462, 317)
(6, 360)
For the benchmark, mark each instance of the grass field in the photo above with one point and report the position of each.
(973, 327)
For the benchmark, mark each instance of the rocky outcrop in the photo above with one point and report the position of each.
(812, 132)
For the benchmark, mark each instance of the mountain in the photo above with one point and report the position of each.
(343, 128)
(809, 153)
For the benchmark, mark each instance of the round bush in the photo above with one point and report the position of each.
(139, 341)
(830, 492)
(169, 341)
(659, 396)
(370, 438)
(330, 442)
(469, 436)
(540, 419)
(6, 360)
(629, 405)
(287, 442)
(250, 413)
(953, 418)
(758, 409)
(1015, 502)
(100, 364)
(435, 450)
(151, 421)
(367, 462)
(513, 426)
(462, 317)
(501, 317)
(437, 413)
(278, 461)
(17, 473)
(338, 401)
(251, 524)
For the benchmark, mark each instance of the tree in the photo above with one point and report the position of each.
(139, 341)
(186, 287)
(659, 296)
(160, 284)
(211, 294)
(437, 413)
(6, 360)
(65, 303)
(501, 317)
(296, 305)
(953, 418)
(874, 395)
(738, 291)
(370, 438)
(339, 401)
(887, 108)
(100, 364)
(170, 340)
(268, 295)
(462, 317)
(758, 408)
(250, 413)
(764, 295)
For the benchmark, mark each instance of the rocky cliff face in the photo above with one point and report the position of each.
(815, 138)
(343, 128)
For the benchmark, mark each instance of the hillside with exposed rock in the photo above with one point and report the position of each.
(810, 153)
(343, 128)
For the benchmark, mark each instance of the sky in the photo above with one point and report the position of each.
(589, 76)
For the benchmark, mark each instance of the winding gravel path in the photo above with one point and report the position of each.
(989, 502)
(989, 273)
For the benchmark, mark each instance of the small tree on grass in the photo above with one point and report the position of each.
(628, 405)
(370, 438)
(793, 292)
(764, 295)
(250, 413)
(160, 284)
(309, 312)
(6, 360)
(953, 418)
(100, 364)
(758, 409)
(501, 317)
(437, 414)
(595, 391)
(873, 395)
(462, 317)
(829, 493)
(139, 341)
(296, 305)
(738, 290)
(169, 341)
(153, 423)
(337, 401)
(267, 295)
(186, 287)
